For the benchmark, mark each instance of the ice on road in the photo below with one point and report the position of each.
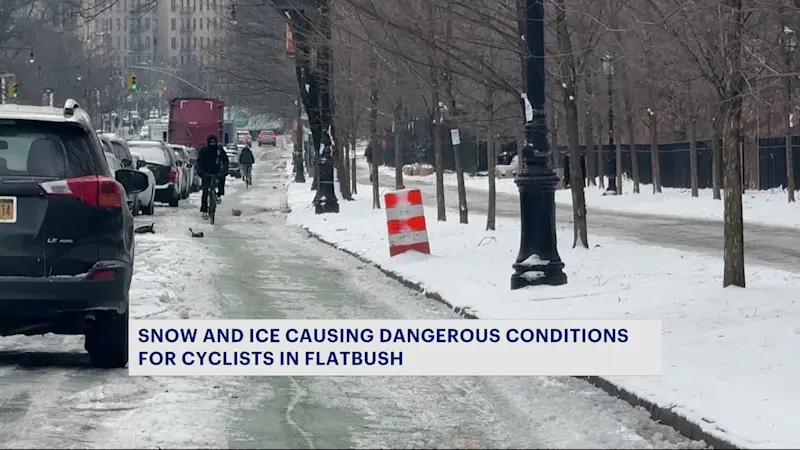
(253, 266)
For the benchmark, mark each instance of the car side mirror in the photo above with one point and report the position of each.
(141, 163)
(132, 180)
(179, 163)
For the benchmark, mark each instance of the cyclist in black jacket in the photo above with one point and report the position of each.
(212, 161)
(246, 161)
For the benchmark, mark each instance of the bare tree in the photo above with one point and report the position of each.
(568, 83)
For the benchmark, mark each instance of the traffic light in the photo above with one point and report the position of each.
(131, 82)
(13, 90)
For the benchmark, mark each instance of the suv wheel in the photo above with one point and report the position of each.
(107, 341)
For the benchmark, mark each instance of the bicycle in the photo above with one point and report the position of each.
(247, 174)
(212, 200)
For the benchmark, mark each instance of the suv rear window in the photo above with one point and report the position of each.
(46, 149)
(154, 155)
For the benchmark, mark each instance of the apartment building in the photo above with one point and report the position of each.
(192, 30)
(175, 36)
(128, 30)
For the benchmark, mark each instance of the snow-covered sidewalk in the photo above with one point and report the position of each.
(730, 355)
(762, 207)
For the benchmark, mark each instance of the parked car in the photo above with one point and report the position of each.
(162, 162)
(186, 172)
(197, 182)
(267, 137)
(147, 198)
(233, 151)
(132, 199)
(119, 147)
(122, 155)
(66, 235)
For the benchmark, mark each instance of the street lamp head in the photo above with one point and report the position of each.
(80, 77)
(608, 67)
(790, 40)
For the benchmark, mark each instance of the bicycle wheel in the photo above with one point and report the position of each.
(212, 203)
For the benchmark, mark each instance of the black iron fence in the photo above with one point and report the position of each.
(417, 146)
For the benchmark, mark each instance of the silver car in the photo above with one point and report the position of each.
(185, 165)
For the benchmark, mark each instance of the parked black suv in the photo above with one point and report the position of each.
(66, 233)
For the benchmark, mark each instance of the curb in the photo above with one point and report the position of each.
(663, 415)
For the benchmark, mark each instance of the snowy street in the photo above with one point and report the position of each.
(771, 238)
(255, 266)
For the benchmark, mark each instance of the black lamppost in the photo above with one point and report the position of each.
(608, 69)
(538, 262)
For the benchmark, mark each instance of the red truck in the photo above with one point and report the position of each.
(193, 120)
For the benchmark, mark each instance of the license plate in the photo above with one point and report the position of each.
(8, 209)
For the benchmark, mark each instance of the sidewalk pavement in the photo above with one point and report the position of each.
(730, 355)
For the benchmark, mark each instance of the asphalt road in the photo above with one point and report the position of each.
(769, 246)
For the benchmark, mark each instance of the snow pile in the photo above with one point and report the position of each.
(417, 169)
(172, 280)
(730, 354)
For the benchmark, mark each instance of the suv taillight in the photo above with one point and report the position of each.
(93, 190)
(173, 175)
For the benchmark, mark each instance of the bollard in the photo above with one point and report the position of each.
(405, 222)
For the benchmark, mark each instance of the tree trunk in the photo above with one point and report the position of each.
(626, 93)
(588, 131)
(341, 162)
(463, 210)
(373, 132)
(655, 163)
(338, 147)
(441, 211)
(601, 153)
(732, 89)
(693, 156)
(790, 185)
(568, 92)
(297, 154)
(353, 170)
(398, 145)
(491, 157)
(552, 128)
(346, 160)
(618, 149)
(789, 121)
(716, 161)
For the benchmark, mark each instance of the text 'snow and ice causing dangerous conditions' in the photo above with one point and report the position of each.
(394, 347)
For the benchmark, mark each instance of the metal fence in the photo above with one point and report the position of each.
(417, 143)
